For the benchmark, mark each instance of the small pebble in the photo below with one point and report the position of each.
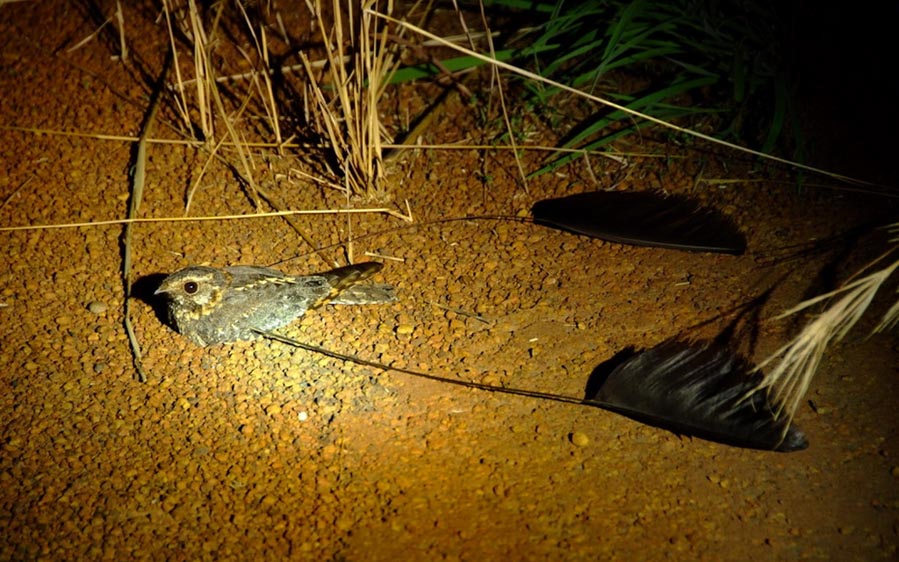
(405, 329)
(303, 416)
(578, 439)
(97, 307)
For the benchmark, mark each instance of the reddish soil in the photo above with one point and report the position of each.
(260, 450)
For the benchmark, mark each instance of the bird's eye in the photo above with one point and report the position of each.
(191, 287)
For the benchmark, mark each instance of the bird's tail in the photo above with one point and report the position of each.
(345, 288)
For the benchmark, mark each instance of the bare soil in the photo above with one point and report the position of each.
(258, 450)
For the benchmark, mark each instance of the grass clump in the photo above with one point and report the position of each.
(667, 59)
(344, 109)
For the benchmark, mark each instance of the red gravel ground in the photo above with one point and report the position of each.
(258, 450)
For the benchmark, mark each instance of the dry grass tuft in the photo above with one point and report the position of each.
(191, 25)
(798, 360)
(345, 95)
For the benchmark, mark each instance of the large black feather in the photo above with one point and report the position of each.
(695, 390)
(642, 219)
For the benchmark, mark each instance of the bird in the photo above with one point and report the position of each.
(211, 305)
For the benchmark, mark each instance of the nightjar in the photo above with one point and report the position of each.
(209, 305)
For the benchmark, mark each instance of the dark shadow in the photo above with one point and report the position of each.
(804, 251)
(143, 289)
(840, 247)
(834, 252)
(602, 371)
(743, 331)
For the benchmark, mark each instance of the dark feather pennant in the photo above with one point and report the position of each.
(642, 219)
(695, 390)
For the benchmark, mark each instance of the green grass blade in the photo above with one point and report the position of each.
(780, 112)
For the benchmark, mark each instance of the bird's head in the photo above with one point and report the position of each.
(195, 288)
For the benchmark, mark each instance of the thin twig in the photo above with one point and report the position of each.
(253, 73)
(89, 38)
(454, 146)
(120, 19)
(420, 374)
(382, 210)
(13, 194)
(137, 192)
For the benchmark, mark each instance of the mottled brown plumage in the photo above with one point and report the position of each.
(209, 305)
